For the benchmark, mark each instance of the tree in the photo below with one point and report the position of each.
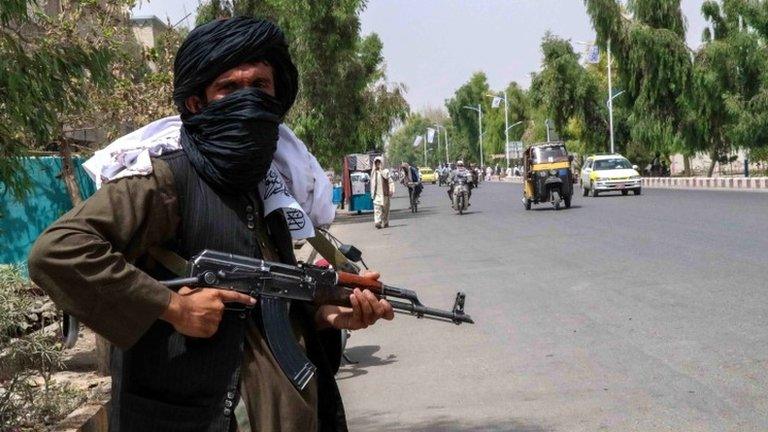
(465, 121)
(345, 104)
(740, 34)
(140, 89)
(654, 68)
(570, 96)
(46, 59)
(400, 147)
(727, 74)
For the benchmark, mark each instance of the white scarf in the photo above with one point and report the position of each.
(295, 183)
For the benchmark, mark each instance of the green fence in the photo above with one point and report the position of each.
(22, 221)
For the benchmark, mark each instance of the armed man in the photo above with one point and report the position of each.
(181, 362)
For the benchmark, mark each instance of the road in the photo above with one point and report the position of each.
(644, 313)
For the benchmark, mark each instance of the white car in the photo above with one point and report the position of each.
(603, 173)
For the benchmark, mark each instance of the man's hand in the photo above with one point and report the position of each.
(197, 312)
(366, 310)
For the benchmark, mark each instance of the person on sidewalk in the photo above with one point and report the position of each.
(381, 193)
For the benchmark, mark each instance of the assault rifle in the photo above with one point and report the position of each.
(275, 284)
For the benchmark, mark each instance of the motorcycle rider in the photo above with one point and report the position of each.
(474, 178)
(443, 173)
(460, 171)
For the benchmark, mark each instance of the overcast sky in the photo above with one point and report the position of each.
(433, 46)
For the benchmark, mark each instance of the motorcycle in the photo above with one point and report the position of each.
(460, 194)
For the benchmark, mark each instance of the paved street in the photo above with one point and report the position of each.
(628, 313)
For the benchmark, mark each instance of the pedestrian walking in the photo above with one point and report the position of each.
(381, 192)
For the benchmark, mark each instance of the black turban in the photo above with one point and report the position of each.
(216, 47)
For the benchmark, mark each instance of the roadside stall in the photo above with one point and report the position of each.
(356, 181)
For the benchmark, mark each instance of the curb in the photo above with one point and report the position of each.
(752, 184)
(716, 183)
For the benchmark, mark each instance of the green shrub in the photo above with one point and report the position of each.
(29, 399)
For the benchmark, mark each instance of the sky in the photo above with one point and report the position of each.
(434, 46)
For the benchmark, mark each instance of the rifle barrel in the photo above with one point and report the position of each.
(431, 313)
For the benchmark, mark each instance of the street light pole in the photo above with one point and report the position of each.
(610, 96)
(480, 121)
(546, 122)
(506, 123)
(445, 131)
(479, 110)
(506, 127)
(447, 158)
(506, 150)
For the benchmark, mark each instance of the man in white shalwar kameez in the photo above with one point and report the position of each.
(381, 191)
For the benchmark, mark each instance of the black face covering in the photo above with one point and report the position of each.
(232, 140)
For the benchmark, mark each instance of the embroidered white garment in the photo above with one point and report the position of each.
(296, 183)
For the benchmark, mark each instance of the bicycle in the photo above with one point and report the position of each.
(413, 197)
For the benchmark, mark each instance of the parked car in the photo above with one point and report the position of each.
(604, 173)
(427, 175)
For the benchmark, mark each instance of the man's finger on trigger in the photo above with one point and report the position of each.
(236, 297)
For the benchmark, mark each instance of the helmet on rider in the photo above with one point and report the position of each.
(460, 163)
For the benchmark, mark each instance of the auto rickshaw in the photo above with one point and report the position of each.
(547, 175)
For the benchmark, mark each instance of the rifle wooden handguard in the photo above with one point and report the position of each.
(349, 280)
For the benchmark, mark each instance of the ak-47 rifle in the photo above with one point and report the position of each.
(275, 284)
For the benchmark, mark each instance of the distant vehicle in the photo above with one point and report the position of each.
(547, 175)
(606, 173)
(427, 175)
(460, 193)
